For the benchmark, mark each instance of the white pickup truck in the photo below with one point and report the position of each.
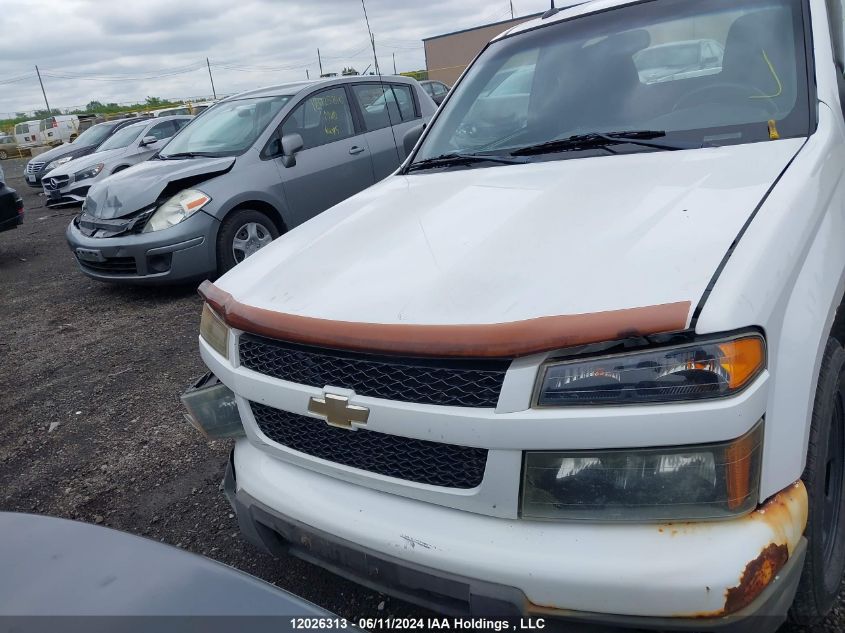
(581, 356)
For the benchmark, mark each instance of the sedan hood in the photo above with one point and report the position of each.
(512, 243)
(78, 164)
(134, 189)
(68, 149)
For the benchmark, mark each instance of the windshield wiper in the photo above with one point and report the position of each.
(189, 155)
(602, 140)
(448, 160)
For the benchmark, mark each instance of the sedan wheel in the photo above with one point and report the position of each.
(3, 155)
(242, 234)
(249, 239)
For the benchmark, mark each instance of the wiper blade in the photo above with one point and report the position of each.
(188, 155)
(602, 140)
(448, 160)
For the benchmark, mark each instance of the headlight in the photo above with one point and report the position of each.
(180, 207)
(59, 161)
(708, 369)
(91, 172)
(688, 483)
(214, 331)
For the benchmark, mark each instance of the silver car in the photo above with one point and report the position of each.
(247, 170)
(69, 183)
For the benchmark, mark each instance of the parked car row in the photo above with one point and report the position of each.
(251, 168)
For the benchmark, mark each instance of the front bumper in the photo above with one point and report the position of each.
(73, 193)
(179, 254)
(669, 577)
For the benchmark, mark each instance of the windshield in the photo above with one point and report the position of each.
(227, 129)
(635, 68)
(122, 138)
(93, 135)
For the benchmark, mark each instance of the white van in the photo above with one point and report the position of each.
(26, 133)
(581, 359)
(62, 128)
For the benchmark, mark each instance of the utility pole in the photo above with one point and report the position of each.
(394, 64)
(38, 72)
(320, 62)
(372, 39)
(213, 91)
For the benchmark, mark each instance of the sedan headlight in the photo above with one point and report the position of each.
(688, 483)
(701, 370)
(58, 162)
(179, 208)
(91, 172)
(214, 331)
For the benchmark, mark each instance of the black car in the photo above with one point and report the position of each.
(11, 208)
(86, 143)
(436, 90)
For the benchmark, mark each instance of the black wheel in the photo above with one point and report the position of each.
(3, 154)
(823, 477)
(242, 234)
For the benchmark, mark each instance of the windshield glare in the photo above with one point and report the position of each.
(711, 73)
(122, 138)
(93, 135)
(227, 129)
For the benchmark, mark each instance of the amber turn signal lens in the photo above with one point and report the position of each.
(214, 331)
(742, 359)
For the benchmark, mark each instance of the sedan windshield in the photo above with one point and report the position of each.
(123, 138)
(227, 129)
(94, 135)
(687, 74)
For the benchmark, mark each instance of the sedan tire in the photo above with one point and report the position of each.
(242, 234)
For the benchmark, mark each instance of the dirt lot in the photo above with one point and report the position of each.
(92, 428)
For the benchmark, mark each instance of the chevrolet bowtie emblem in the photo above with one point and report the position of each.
(337, 411)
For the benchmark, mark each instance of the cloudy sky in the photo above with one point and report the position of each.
(125, 51)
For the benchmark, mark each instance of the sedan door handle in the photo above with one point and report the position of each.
(355, 150)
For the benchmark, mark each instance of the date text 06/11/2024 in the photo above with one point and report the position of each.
(410, 624)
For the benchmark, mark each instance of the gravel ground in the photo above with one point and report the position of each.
(92, 426)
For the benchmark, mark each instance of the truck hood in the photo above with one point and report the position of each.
(129, 191)
(78, 164)
(512, 243)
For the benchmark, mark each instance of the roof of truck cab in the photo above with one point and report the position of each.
(566, 10)
(295, 87)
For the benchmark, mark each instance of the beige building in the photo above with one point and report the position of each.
(446, 56)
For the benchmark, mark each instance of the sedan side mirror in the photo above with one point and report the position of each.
(411, 138)
(291, 144)
(148, 140)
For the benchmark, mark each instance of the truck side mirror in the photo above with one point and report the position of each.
(411, 138)
(291, 144)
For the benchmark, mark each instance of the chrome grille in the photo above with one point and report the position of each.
(33, 167)
(55, 182)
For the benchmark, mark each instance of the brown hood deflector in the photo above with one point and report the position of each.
(497, 340)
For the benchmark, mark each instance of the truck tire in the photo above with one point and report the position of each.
(241, 234)
(824, 477)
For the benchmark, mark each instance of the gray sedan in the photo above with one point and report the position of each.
(69, 183)
(249, 169)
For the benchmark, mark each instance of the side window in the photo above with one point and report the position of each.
(375, 106)
(162, 130)
(322, 118)
(402, 96)
(429, 88)
(439, 89)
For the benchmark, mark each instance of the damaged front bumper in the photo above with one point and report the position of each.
(740, 574)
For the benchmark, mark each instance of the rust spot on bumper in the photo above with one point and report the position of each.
(757, 575)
